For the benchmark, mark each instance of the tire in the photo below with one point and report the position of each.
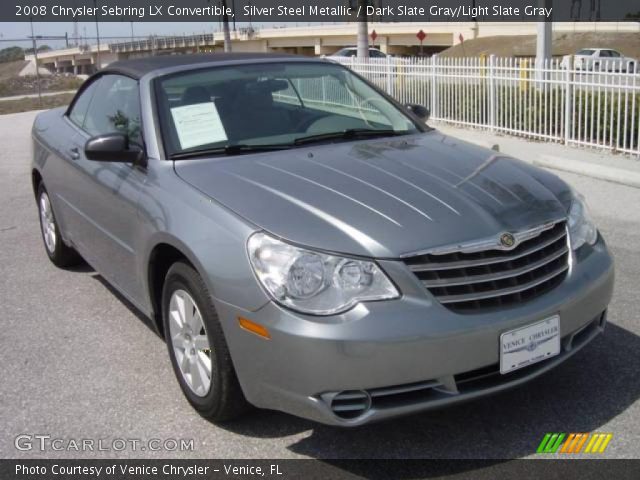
(185, 337)
(60, 254)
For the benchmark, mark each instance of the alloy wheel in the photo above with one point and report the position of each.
(47, 223)
(190, 342)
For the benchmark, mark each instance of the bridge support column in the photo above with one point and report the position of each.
(319, 49)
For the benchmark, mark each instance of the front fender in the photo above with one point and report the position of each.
(210, 236)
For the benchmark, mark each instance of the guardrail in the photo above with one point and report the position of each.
(596, 105)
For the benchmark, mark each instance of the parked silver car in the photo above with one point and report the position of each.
(305, 243)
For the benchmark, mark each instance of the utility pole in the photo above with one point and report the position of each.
(35, 56)
(363, 30)
(95, 4)
(544, 37)
(543, 41)
(225, 27)
(233, 9)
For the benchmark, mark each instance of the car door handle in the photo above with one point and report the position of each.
(75, 153)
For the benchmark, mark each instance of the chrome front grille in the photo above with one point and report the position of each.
(471, 280)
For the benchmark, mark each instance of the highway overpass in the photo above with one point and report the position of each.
(397, 38)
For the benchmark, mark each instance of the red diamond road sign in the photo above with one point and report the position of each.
(374, 35)
(421, 35)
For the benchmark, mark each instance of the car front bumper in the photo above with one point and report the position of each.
(407, 355)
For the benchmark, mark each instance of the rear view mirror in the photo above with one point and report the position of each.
(419, 111)
(113, 147)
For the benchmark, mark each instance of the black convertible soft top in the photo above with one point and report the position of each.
(136, 68)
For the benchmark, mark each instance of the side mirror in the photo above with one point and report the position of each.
(419, 111)
(113, 147)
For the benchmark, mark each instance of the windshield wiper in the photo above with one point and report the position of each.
(233, 149)
(349, 134)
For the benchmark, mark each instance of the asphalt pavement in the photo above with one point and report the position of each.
(77, 362)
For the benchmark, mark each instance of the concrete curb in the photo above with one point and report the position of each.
(480, 143)
(601, 172)
(622, 176)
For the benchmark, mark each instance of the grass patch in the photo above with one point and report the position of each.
(28, 85)
(28, 104)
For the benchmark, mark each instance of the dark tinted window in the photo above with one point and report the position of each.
(345, 52)
(376, 54)
(81, 105)
(115, 108)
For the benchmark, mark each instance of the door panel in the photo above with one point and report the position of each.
(105, 198)
(102, 197)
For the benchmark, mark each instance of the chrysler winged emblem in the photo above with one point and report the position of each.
(507, 240)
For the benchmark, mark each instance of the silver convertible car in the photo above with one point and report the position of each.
(305, 243)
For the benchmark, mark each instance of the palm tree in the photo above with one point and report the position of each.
(363, 30)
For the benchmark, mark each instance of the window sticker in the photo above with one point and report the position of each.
(198, 124)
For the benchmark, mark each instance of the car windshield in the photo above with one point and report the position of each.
(241, 108)
(585, 52)
(345, 52)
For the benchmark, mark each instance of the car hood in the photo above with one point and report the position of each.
(381, 198)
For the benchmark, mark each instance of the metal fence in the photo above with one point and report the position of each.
(596, 105)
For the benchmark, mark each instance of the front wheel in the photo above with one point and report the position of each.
(197, 347)
(61, 255)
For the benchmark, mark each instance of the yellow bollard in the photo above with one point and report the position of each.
(524, 74)
(483, 64)
(400, 80)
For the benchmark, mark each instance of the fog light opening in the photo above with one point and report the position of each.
(350, 404)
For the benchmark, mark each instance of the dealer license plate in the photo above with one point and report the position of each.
(531, 344)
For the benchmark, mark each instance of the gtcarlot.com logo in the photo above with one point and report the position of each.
(574, 443)
(44, 443)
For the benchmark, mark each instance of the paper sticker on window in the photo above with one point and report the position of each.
(198, 124)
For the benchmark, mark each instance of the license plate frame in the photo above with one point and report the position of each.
(529, 344)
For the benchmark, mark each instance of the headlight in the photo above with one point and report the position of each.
(314, 282)
(581, 227)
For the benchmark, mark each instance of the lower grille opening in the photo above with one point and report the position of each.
(351, 404)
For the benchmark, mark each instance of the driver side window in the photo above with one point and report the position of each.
(115, 108)
(81, 105)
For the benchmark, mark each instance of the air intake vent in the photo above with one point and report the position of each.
(351, 403)
(469, 282)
